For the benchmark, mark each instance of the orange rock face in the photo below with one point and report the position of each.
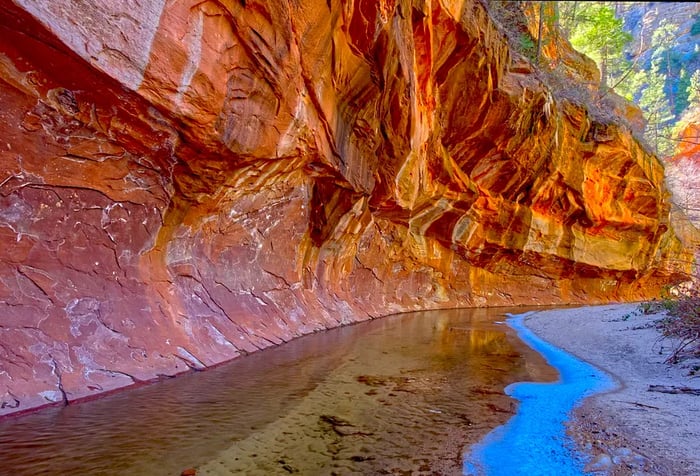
(185, 182)
(684, 168)
(683, 177)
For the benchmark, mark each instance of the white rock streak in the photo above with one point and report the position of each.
(115, 36)
(194, 42)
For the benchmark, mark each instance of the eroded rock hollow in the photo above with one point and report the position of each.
(183, 182)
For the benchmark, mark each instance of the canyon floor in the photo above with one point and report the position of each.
(631, 430)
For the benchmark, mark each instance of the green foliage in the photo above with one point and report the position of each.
(693, 90)
(527, 46)
(663, 38)
(633, 82)
(653, 100)
(666, 60)
(682, 102)
(596, 31)
(510, 17)
(662, 87)
(695, 29)
(681, 322)
(657, 110)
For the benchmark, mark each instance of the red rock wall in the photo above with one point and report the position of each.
(684, 167)
(683, 179)
(184, 182)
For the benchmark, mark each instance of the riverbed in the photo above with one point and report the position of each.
(404, 394)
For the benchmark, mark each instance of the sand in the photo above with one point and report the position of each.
(630, 430)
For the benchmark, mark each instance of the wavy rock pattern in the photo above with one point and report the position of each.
(187, 181)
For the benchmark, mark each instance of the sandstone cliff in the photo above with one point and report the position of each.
(684, 167)
(185, 182)
(683, 178)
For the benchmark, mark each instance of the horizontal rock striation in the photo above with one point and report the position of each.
(186, 182)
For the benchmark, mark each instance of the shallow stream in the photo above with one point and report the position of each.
(405, 394)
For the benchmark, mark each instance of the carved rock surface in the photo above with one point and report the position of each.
(684, 168)
(183, 182)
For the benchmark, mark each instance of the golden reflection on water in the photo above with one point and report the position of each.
(403, 394)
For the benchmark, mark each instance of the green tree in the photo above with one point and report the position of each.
(695, 29)
(598, 33)
(632, 82)
(693, 90)
(662, 42)
(682, 103)
(657, 110)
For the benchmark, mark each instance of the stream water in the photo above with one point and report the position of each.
(405, 394)
(534, 440)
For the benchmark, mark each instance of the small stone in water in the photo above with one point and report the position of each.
(601, 463)
(620, 455)
(188, 472)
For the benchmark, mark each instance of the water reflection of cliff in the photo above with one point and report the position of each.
(404, 394)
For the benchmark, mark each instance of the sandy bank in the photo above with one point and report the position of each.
(630, 430)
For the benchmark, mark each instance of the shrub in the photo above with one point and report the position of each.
(682, 322)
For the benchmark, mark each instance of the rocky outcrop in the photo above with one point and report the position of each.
(684, 167)
(185, 182)
(683, 178)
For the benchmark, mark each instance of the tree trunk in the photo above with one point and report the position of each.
(604, 69)
(539, 32)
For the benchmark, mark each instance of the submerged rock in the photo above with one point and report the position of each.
(602, 462)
